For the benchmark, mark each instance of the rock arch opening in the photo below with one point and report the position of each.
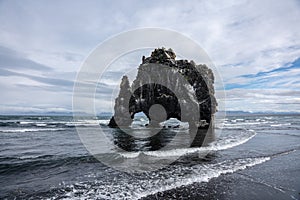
(139, 119)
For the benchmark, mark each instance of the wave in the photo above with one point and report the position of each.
(30, 130)
(103, 122)
(137, 186)
(223, 143)
(52, 123)
(24, 163)
(147, 184)
(10, 165)
(294, 134)
(41, 124)
(133, 186)
(129, 154)
(279, 125)
(205, 173)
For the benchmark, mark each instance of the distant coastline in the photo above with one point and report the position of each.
(245, 113)
(228, 113)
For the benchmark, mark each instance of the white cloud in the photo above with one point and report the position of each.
(256, 36)
(271, 100)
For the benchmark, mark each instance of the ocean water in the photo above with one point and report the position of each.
(252, 157)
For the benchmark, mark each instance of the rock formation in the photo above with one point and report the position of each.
(158, 81)
(149, 92)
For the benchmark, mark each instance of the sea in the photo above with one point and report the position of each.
(251, 157)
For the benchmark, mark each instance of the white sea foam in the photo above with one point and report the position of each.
(41, 124)
(231, 141)
(103, 122)
(25, 122)
(222, 143)
(151, 183)
(203, 173)
(129, 154)
(86, 122)
(279, 125)
(28, 157)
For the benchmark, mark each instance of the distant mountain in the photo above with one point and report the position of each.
(105, 114)
(40, 113)
(243, 113)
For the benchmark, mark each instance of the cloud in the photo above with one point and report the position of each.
(241, 37)
(44, 80)
(11, 59)
(254, 45)
(13, 109)
(282, 77)
(257, 100)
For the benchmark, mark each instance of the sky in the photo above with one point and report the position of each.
(255, 45)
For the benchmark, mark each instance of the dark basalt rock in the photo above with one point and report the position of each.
(121, 113)
(200, 81)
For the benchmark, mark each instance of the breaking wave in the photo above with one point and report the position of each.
(223, 142)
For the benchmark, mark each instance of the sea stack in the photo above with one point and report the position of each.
(158, 82)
